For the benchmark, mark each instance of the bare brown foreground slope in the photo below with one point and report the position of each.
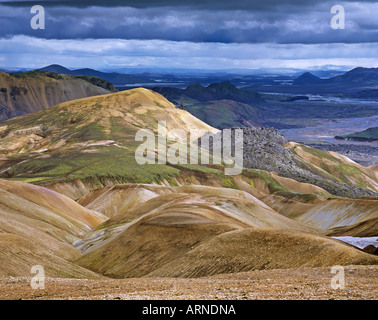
(282, 284)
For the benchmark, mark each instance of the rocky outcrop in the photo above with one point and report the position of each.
(264, 149)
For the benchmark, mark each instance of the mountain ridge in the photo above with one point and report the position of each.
(37, 90)
(215, 91)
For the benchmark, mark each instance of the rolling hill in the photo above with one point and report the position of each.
(38, 226)
(365, 228)
(91, 138)
(339, 212)
(197, 231)
(140, 230)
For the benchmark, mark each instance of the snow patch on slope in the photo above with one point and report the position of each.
(359, 242)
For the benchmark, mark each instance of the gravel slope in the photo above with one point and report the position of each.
(292, 284)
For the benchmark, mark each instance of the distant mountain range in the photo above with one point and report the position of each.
(357, 76)
(222, 105)
(113, 77)
(215, 91)
(323, 81)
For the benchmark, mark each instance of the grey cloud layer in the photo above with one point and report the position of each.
(105, 53)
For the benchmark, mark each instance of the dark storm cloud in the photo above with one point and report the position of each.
(201, 4)
(195, 21)
(181, 34)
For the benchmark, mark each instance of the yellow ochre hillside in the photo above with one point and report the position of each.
(34, 91)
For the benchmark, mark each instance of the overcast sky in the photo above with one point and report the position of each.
(214, 35)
